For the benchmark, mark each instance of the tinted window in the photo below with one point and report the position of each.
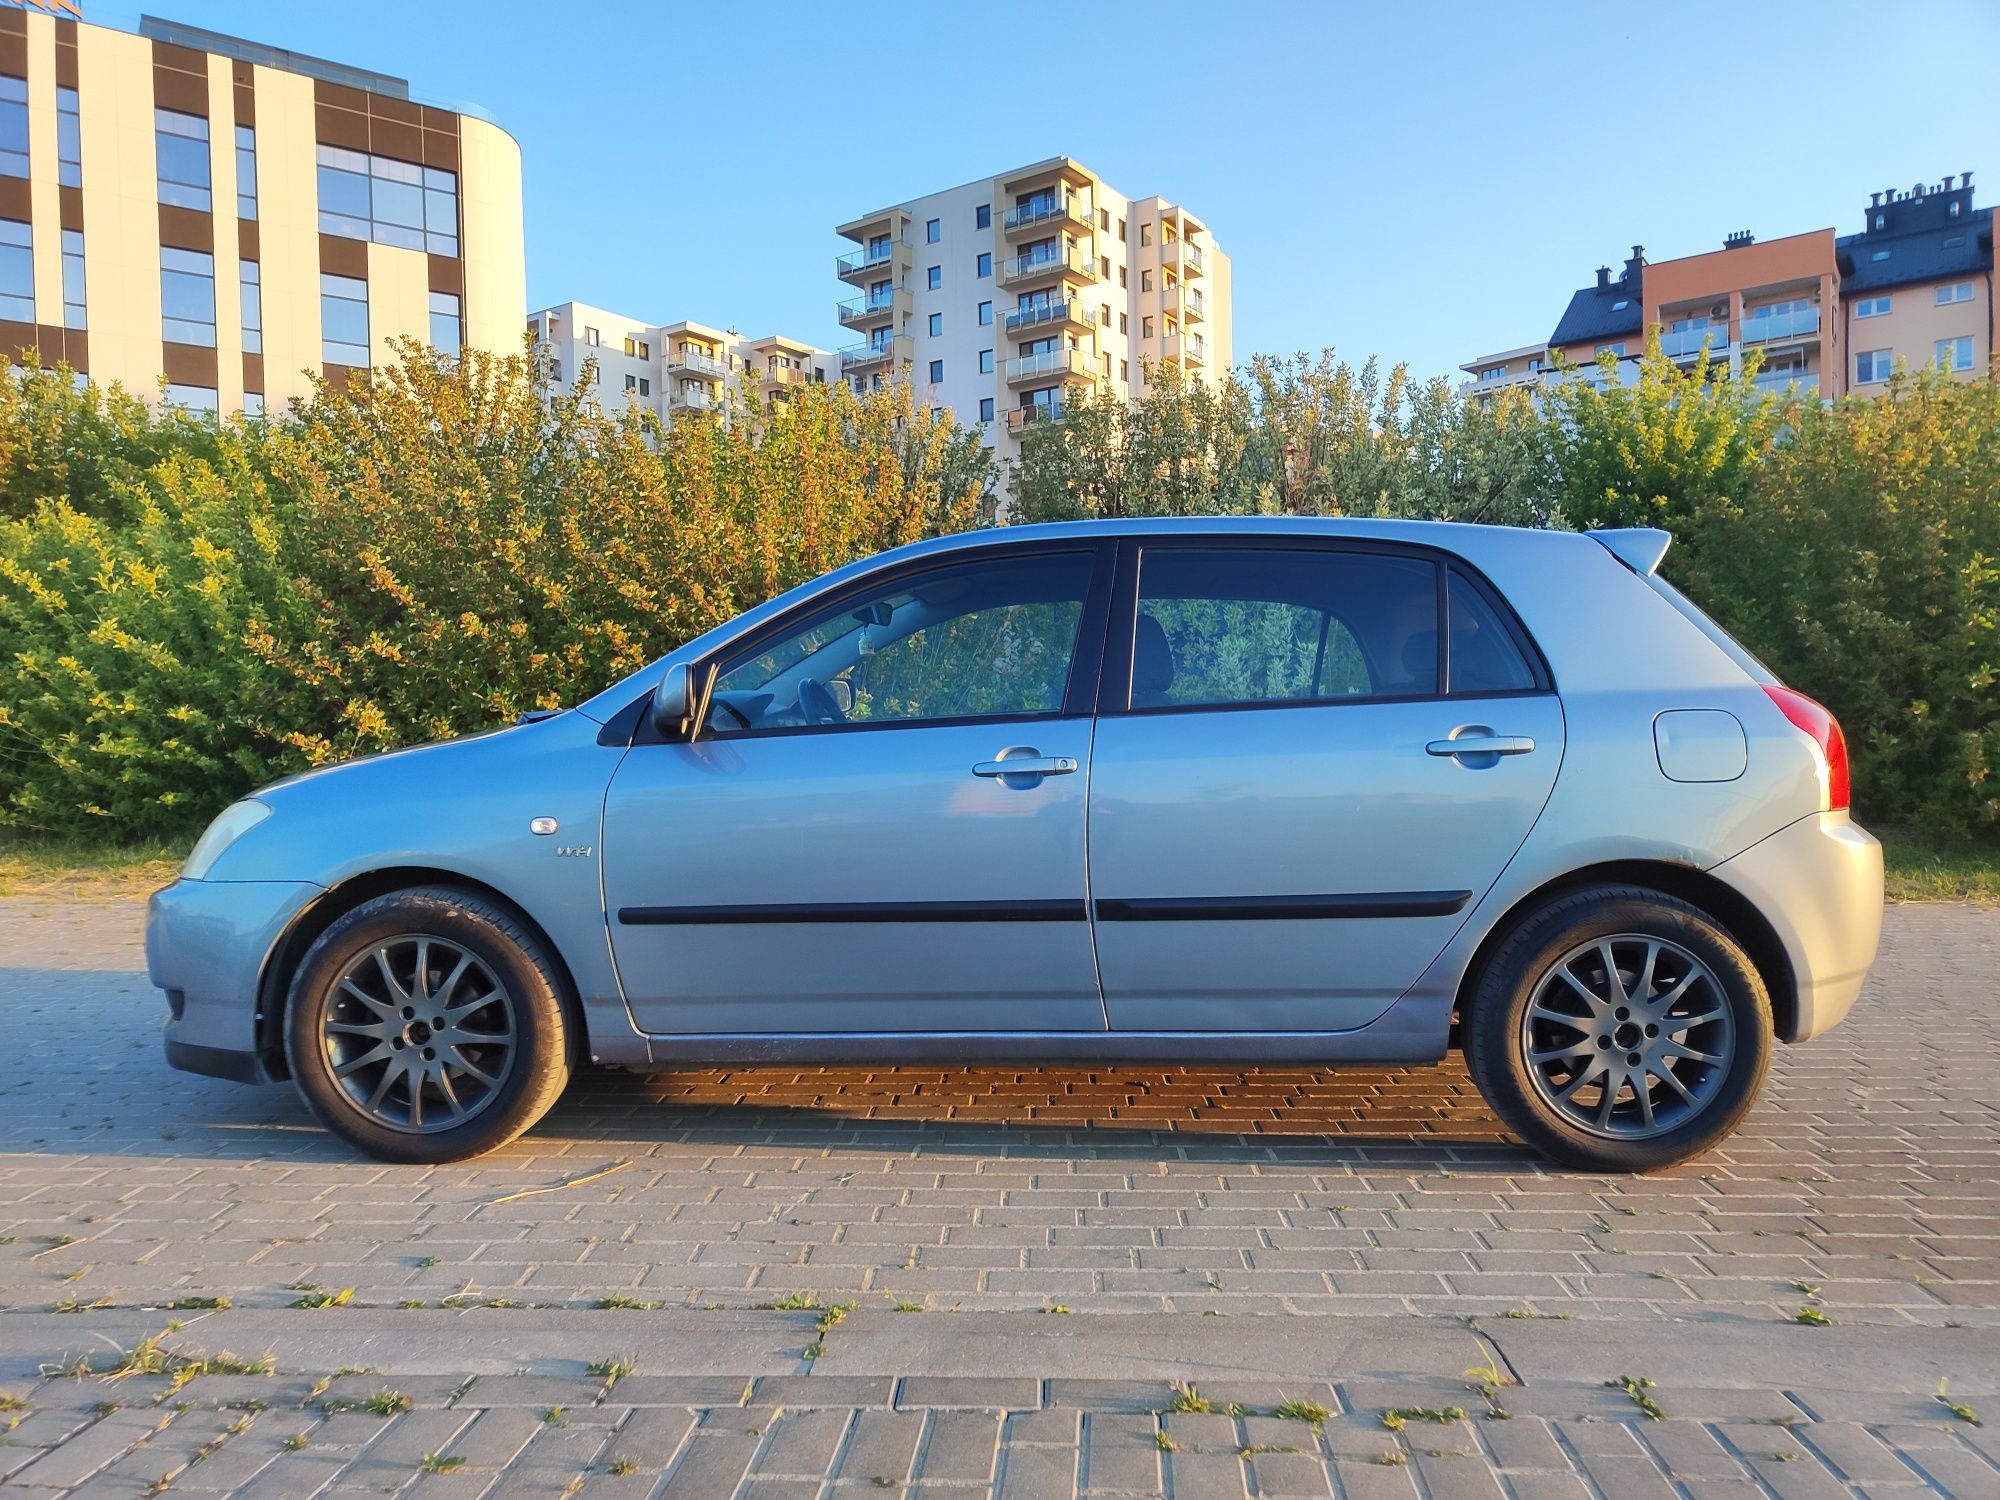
(1485, 658)
(1237, 625)
(978, 640)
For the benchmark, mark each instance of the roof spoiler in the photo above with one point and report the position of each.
(1640, 548)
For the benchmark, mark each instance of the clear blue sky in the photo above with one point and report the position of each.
(1424, 181)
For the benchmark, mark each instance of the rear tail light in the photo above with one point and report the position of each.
(1824, 730)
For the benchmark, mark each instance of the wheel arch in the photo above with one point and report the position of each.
(275, 983)
(1737, 914)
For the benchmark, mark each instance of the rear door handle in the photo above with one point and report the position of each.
(1026, 763)
(1482, 744)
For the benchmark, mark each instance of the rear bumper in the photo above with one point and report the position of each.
(1819, 883)
(206, 944)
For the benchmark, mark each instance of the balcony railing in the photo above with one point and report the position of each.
(1193, 262)
(861, 356)
(1045, 211)
(1021, 418)
(859, 262)
(863, 310)
(694, 400)
(694, 362)
(1063, 363)
(1043, 315)
(1800, 322)
(1186, 347)
(1686, 343)
(1048, 263)
(786, 375)
(1779, 380)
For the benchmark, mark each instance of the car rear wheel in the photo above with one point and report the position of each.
(427, 1026)
(1620, 1029)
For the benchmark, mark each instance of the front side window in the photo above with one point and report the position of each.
(1229, 626)
(988, 639)
(187, 296)
(13, 128)
(343, 314)
(180, 145)
(17, 272)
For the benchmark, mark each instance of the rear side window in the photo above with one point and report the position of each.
(1485, 657)
(1240, 625)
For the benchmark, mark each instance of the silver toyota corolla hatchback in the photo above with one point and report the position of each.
(1257, 791)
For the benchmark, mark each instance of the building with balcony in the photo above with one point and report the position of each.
(670, 369)
(1831, 314)
(1002, 297)
(197, 213)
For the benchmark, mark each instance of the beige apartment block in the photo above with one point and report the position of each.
(1826, 314)
(228, 219)
(1000, 298)
(670, 369)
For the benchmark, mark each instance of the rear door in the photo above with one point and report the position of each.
(1311, 762)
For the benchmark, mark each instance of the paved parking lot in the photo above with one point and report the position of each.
(1284, 1230)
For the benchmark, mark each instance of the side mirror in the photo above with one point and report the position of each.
(676, 711)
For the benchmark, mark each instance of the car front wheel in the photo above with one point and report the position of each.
(427, 1026)
(1620, 1029)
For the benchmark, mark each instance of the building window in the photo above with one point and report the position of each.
(1145, 281)
(446, 322)
(69, 139)
(343, 320)
(933, 231)
(1871, 365)
(1104, 315)
(1617, 349)
(982, 216)
(1872, 307)
(937, 372)
(246, 172)
(986, 315)
(937, 324)
(592, 337)
(1121, 276)
(1125, 369)
(1955, 354)
(1121, 229)
(984, 267)
(935, 277)
(187, 296)
(253, 307)
(1880, 255)
(363, 197)
(14, 128)
(645, 386)
(253, 405)
(986, 361)
(1145, 234)
(1621, 304)
(180, 146)
(631, 382)
(1124, 323)
(194, 398)
(1145, 328)
(72, 279)
(17, 272)
(1958, 291)
(985, 408)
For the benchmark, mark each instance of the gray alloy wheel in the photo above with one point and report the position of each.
(419, 1033)
(1628, 1036)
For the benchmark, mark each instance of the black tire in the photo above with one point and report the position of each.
(524, 1074)
(1497, 1042)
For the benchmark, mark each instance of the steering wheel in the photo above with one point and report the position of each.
(817, 705)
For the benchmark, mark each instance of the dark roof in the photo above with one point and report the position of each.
(1929, 247)
(1593, 315)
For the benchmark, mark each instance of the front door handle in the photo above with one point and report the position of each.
(1025, 761)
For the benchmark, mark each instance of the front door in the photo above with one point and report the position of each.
(880, 827)
(1282, 836)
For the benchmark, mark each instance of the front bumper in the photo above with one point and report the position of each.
(1818, 882)
(206, 946)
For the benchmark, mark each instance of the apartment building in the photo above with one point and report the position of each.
(671, 369)
(1002, 297)
(1830, 313)
(185, 207)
